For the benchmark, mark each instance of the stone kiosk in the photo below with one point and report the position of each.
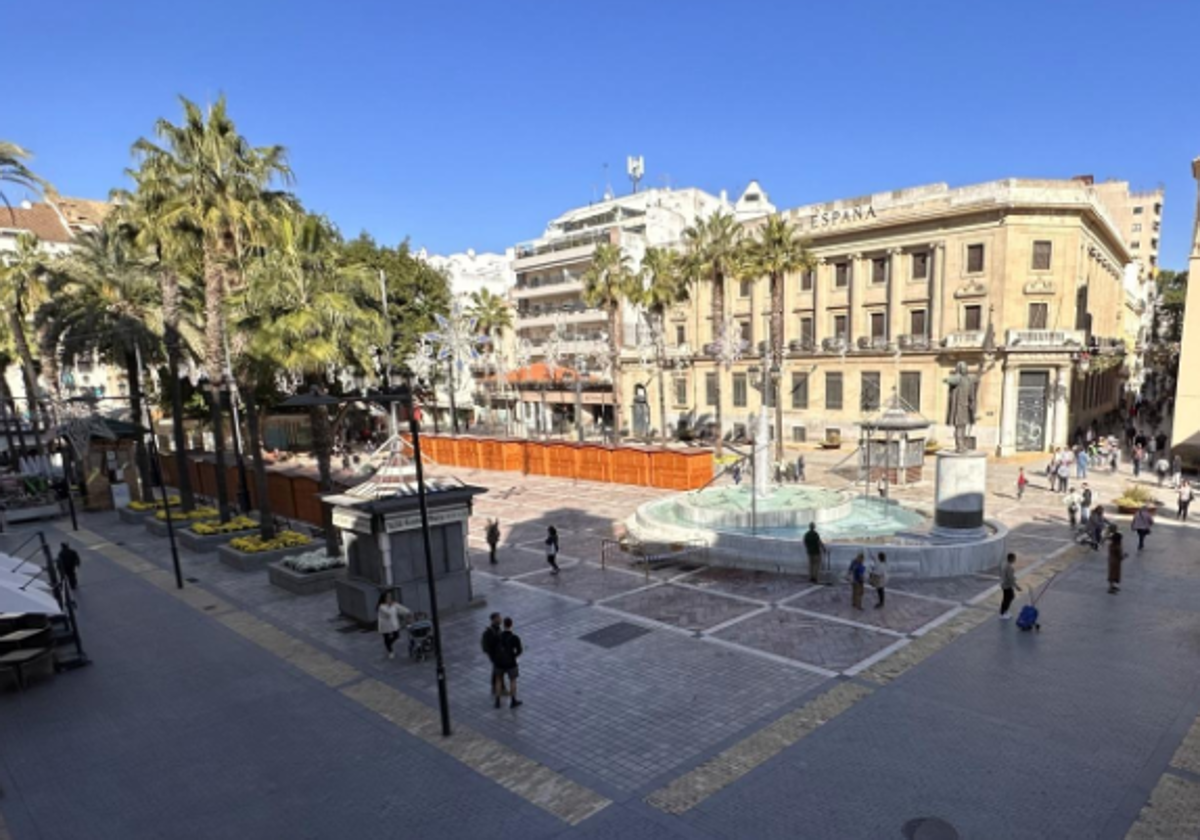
(382, 542)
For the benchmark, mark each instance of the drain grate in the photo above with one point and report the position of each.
(929, 828)
(615, 635)
(192, 580)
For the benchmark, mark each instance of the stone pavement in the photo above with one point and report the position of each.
(695, 703)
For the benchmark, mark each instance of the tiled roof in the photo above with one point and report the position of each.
(39, 219)
(82, 211)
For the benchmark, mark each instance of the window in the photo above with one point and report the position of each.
(974, 259)
(739, 390)
(744, 288)
(878, 325)
(806, 329)
(1038, 315)
(1135, 245)
(1082, 319)
(973, 317)
(799, 434)
(920, 266)
(868, 397)
(833, 392)
(879, 270)
(710, 388)
(841, 275)
(839, 326)
(680, 334)
(910, 389)
(1157, 209)
(1041, 256)
(806, 280)
(1137, 227)
(800, 390)
(916, 322)
(1137, 211)
(1154, 244)
(744, 328)
(681, 392)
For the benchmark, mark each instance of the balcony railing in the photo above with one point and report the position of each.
(834, 345)
(914, 342)
(802, 345)
(564, 243)
(876, 343)
(1044, 338)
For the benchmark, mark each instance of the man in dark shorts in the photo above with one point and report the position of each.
(813, 546)
(508, 652)
(491, 646)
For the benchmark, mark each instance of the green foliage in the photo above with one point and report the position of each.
(14, 169)
(1172, 288)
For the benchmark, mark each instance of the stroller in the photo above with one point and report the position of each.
(420, 638)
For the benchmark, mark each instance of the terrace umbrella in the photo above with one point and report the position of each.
(8, 563)
(13, 599)
(19, 579)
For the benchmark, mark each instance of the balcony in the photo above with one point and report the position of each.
(914, 342)
(1044, 338)
(566, 283)
(963, 339)
(530, 255)
(874, 344)
(834, 345)
(802, 345)
(569, 313)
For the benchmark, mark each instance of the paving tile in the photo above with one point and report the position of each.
(584, 581)
(767, 587)
(900, 613)
(803, 638)
(682, 607)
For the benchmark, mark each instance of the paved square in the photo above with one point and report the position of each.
(803, 638)
(682, 607)
(767, 587)
(584, 581)
(900, 613)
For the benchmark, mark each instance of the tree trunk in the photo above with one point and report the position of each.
(170, 304)
(6, 417)
(266, 519)
(614, 349)
(215, 407)
(214, 302)
(662, 376)
(141, 458)
(48, 353)
(718, 318)
(322, 448)
(777, 360)
(17, 328)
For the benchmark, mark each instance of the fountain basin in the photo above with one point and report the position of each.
(784, 507)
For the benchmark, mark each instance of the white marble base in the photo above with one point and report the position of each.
(959, 490)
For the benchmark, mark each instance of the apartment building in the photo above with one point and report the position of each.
(1023, 280)
(1185, 423)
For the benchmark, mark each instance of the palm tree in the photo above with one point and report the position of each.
(304, 311)
(492, 315)
(713, 254)
(215, 182)
(22, 291)
(106, 301)
(14, 170)
(776, 252)
(662, 286)
(609, 281)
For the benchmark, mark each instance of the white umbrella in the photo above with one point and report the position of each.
(11, 564)
(31, 600)
(20, 579)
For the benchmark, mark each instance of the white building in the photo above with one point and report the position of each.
(470, 272)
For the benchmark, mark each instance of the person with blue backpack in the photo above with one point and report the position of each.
(1008, 586)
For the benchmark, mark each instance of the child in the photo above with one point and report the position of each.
(1021, 482)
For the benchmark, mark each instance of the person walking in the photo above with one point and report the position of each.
(493, 539)
(1021, 482)
(389, 618)
(68, 561)
(1161, 468)
(1008, 586)
(1176, 471)
(814, 547)
(1185, 499)
(1082, 462)
(1095, 526)
(800, 468)
(857, 575)
(879, 578)
(1138, 455)
(508, 651)
(1143, 521)
(736, 472)
(1072, 502)
(552, 549)
(1116, 556)
(1064, 476)
(1085, 502)
(490, 642)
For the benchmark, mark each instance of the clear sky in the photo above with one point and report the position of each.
(465, 125)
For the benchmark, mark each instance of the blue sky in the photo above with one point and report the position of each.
(471, 124)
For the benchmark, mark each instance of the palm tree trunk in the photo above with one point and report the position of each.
(718, 318)
(170, 304)
(141, 458)
(777, 359)
(614, 349)
(17, 328)
(48, 354)
(266, 519)
(322, 448)
(6, 417)
(215, 407)
(662, 376)
(214, 304)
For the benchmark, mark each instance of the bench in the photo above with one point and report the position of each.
(19, 662)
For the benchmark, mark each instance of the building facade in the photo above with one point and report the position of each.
(1022, 280)
(1185, 424)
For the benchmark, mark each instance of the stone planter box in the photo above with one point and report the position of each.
(134, 517)
(245, 562)
(158, 527)
(208, 543)
(304, 583)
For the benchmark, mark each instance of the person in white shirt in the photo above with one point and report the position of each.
(391, 618)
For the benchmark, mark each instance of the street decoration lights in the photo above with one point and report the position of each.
(457, 342)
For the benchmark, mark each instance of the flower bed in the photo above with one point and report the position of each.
(256, 544)
(146, 507)
(197, 515)
(307, 573)
(135, 513)
(207, 537)
(251, 553)
(238, 523)
(1134, 497)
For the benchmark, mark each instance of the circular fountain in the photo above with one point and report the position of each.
(762, 525)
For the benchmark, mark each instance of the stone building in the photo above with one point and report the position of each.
(1024, 280)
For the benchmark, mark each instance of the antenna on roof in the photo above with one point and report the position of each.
(608, 190)
(635, 167)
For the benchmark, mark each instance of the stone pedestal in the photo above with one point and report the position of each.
(959, 493)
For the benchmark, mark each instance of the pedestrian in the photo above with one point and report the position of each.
(490, 642)
(68, 561)
(1072, 502)
(1096, 524)
(552, 549)
(1143, 521)
(1161, 468)
(1116, 555)
(1082, 462)
(1176, 471)
(1008, 586)
(390, 619)
(857, 576)
(1064, 476)
(1021, 482)
(800, 468)
(1138, 454)
(1160, 442)
(879, 578)
(881, 487)
(736, 472)
(1085, 502)
(813, 547)
(508, 651)
(1185, 499)
(1112, 462)
(493, 539)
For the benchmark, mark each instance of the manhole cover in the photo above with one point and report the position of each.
(929, 828)
(192, 580)
(615, 635)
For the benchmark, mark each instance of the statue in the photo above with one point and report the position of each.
(960, 410)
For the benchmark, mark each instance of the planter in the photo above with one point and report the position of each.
(134, 517)
(304, 583)
(158, 527)
(208, 543)
(252, 562)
